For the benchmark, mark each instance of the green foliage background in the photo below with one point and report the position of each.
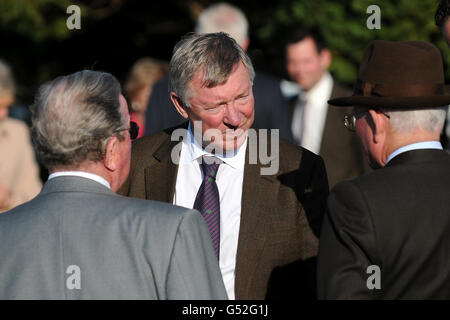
(34, 30)
(343, 24)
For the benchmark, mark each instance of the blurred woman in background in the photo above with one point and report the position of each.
(19, 172)
(138, 87)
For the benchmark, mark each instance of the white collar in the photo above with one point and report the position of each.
(415, 146)
(82, 174)
(194, 151)
(322, 89)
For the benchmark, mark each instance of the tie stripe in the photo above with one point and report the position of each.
(208, 203)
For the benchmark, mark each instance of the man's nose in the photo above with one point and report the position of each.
(232, 115)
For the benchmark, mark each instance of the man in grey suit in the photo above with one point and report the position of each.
(78, 239)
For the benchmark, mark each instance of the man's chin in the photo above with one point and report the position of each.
(231, 142)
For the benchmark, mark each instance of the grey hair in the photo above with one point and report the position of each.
(223, 17)
(73, 116)
(7, 86)
(214, 54)
(431, 119)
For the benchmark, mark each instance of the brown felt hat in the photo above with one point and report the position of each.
(407, 74)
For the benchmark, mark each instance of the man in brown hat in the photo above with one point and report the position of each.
(387, 233)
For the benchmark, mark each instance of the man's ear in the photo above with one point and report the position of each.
(179, 105)
(325, 59)
(110, 158)
(377, 123)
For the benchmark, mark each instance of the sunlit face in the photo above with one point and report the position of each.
(305, 64)
(228, 107)
(124, 146)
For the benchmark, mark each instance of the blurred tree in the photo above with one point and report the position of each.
(37, 20)
(115, 33)
(343, 24)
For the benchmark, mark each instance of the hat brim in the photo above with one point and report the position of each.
(392, 102)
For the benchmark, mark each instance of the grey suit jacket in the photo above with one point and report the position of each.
(79, 240)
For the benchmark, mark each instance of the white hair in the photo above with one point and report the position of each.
(223, 17)
(431, 120)
(74, 115)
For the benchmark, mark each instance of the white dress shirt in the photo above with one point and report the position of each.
(415, 146)
(82, 174)
(308, 123)
(229, 179)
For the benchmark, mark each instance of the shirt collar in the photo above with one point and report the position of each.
(193, 151)
(82, 174)
(415, 146)
(322, 89)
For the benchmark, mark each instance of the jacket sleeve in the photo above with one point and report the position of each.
(194, 272)
(347, 247)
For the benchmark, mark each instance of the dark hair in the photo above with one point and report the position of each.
(442, 12)
(300, 33)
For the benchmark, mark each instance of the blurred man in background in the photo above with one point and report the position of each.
(314, 125)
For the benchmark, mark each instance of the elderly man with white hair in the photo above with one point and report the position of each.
(78, 239)
(387, 233)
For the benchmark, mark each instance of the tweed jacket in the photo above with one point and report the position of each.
(281, 214)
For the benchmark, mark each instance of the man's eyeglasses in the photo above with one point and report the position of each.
(350, 119)
(133, 130)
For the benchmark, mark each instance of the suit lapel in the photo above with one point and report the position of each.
(161, 174)
(258, 196)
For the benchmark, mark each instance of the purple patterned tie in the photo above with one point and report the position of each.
(207, 200)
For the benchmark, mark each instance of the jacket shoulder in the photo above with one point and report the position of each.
(292, 156)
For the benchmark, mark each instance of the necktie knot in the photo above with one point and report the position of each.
(209, 166)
